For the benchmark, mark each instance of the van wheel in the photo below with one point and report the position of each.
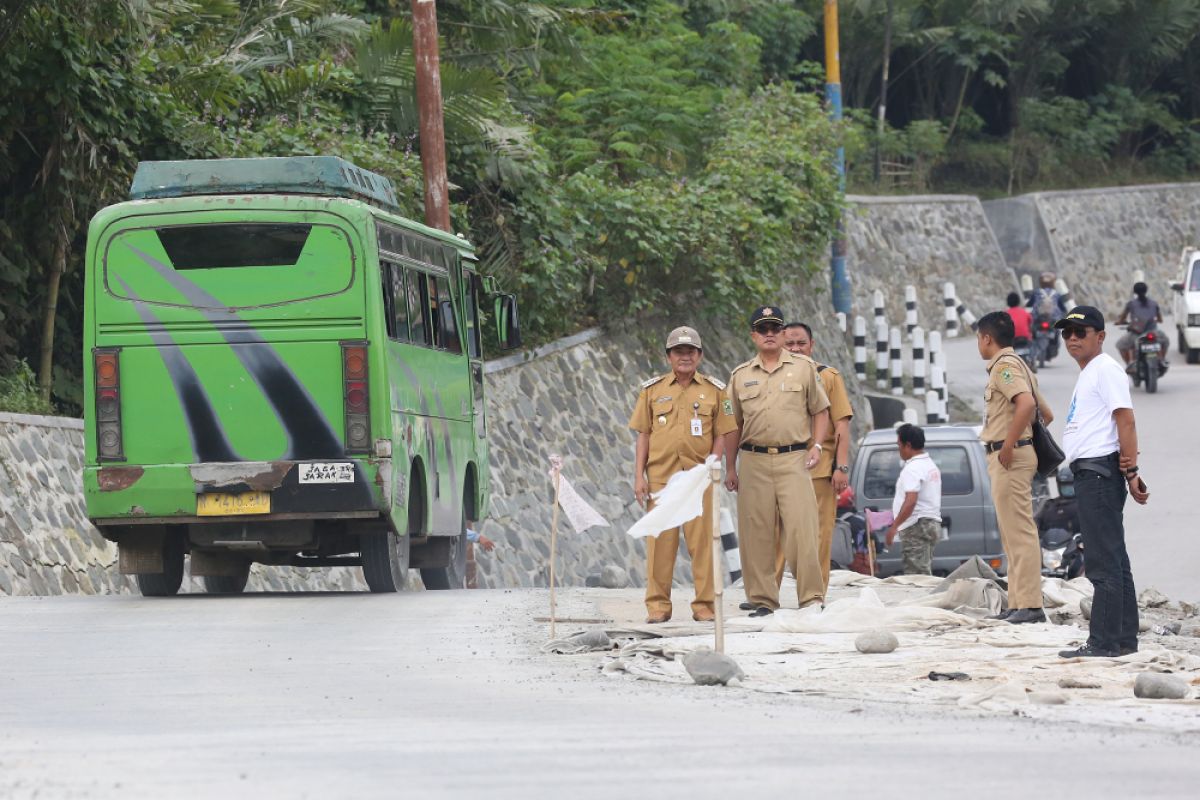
(454, 574)
(167, 582)
(1183, 348)
(1193, 355)
(228, 584)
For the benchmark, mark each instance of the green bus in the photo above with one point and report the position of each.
(282, 369)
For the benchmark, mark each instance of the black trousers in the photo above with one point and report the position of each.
(1101, 499)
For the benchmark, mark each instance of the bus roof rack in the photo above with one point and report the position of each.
(326, 176)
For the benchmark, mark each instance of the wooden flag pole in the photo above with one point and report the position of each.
(553, 547)
(871, 551)
(718, 552)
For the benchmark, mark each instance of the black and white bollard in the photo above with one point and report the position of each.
(1026, 286)
(897, 361)
(729, 543)
(860, 348)
(910, 309)
(1139, 276)
(841, 320)
(918, 359)
(937, 380)
(910, 416)
(933, 408)
(1061, 287)
(967, 317)
(948, 300)
(881, 353)
(877, 302)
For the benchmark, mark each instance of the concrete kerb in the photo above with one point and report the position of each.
(41, 421)
(557, 346)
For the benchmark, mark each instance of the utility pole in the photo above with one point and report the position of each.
(429, 114)
(881, 122)
(839, 278)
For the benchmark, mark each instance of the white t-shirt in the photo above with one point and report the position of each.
(1091, 431)
(922, 476)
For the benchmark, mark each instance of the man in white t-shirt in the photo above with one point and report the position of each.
(917, 504)
(1100, 444)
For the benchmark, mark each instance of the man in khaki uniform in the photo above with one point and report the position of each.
(1011, 400)
(832, 472)
(769, 456)
(680, 418)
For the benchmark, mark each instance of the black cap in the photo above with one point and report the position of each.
(1082, 315)
(766, 314)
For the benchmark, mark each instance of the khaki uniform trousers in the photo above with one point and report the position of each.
(1012, 495)
(660, 562)
(826, 519)
(777, 510)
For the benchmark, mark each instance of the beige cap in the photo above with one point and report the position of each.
(684, 335)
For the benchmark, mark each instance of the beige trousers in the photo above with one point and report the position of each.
(777, 510)
(660, 562)
(827, 517)
(1012, 495)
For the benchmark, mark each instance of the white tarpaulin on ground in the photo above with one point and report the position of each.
(680, 501)
(1010, 667)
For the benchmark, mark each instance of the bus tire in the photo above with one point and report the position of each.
(385, 560)
(228, 584)
(167, 582)
(454, 574)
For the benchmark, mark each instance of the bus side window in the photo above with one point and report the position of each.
(418, 308)
(398, 321)
(386, 273)
(470, 284)
(447, 327)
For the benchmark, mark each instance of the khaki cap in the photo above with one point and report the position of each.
(684, 335)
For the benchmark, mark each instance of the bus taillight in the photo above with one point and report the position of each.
(109, 446)
(356, 394)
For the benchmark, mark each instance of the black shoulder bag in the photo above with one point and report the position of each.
(1049, 453)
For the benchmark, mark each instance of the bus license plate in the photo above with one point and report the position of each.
(219, 504)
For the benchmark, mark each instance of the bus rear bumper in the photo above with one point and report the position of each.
(345, 488)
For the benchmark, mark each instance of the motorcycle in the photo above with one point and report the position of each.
(1025, 349)
(1062, 554)
(1148, 365)
(1045, 341)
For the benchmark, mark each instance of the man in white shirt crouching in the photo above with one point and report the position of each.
(917, 505)
(1100, 444)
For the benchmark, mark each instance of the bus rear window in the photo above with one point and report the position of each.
(234, 245)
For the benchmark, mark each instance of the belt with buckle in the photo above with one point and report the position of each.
(783, 448)
(992, 447)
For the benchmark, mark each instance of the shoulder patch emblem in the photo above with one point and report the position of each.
(727, 407)
(646, 384)
(1006, 375)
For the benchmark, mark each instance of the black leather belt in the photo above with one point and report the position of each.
(992, 447)
(1101, 465)
(783, 448)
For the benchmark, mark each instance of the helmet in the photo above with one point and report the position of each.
(1047, 278)
(1066, 482)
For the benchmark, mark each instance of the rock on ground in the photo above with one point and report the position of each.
(1152, 598)
(708, 668)
(876, 642)
(614, 577)
(1159, 686)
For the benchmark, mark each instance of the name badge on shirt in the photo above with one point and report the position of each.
(697, 427)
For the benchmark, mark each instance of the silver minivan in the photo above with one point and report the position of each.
(968, 517)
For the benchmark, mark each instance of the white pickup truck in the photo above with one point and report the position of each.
(1187, 304)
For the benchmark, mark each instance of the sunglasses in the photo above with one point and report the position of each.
(1075, 332)
(768, 327)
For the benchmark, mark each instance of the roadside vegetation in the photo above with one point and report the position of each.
(607, 156)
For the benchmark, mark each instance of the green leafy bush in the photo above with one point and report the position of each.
(19, 391)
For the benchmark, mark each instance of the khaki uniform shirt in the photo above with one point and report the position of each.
(665, 410)
(774, 408)
(1007, 377)
(839, 409)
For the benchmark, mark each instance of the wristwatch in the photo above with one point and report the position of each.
(845, 468)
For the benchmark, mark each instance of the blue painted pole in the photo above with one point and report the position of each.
(839, 276)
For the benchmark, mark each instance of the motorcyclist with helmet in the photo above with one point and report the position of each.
(1047, 306)
(1142, 315)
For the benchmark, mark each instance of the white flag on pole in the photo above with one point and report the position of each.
(581, 515)
(680, 501)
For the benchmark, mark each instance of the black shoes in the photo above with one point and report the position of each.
(746, 606)
(762, 611)
(1003, 615)
(1026, 615)
(1087, 651)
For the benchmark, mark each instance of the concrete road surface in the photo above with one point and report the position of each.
(429, 695)
(1164, 547)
